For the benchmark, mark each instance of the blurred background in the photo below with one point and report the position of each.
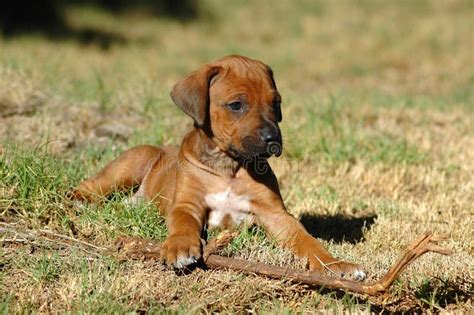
(378, 110)
(123, 57)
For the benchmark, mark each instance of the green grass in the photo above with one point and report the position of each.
(340, 134)
(115, 218)
(32, 184)
(38, 194)
(378, 107)
(44, 269)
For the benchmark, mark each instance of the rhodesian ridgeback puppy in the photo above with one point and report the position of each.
(219, 177)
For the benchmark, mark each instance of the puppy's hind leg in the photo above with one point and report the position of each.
(125, 172)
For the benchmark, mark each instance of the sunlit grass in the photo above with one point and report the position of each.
(378, 107)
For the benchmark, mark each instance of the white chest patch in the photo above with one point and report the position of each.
(227, 209)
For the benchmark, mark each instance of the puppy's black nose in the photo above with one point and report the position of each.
(270, 135)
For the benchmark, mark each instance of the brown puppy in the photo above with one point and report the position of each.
(220, 175)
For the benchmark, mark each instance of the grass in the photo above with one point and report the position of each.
(378, 107)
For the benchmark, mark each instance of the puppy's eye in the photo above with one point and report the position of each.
(276, 105)
(235, 106)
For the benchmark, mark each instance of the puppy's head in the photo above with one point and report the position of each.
(235, 100)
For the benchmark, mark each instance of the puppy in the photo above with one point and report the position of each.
(219, 177)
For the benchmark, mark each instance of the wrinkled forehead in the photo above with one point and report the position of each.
(246, 76)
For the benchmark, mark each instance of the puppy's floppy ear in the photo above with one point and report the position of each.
(192, 93)
(272, 80)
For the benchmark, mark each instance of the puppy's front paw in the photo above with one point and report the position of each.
(340, 268)
(181, 250)
(75, 195)
(347, 270)
(76, 198)
(80, 195)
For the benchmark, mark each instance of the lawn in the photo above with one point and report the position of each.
(378, 128)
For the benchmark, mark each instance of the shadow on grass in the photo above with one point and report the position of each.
(337, 228)
(432, 296)
(48, 18)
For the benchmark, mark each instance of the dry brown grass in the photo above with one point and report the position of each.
(378, 136)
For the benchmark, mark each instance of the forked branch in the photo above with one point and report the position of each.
(137, 248)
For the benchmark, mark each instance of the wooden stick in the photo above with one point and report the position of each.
(141, 248)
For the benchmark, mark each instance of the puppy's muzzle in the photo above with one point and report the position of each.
(274, 148)
(272, 138)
